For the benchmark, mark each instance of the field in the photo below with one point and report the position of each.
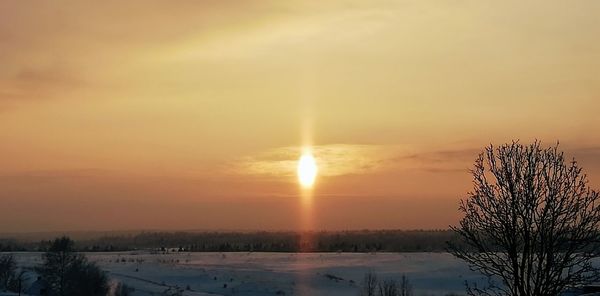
(327, 274)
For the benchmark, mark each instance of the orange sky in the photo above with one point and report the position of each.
(154, 115)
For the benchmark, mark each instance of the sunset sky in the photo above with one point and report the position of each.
(122, 115)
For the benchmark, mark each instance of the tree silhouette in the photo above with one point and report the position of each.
(369, 285)
(69, 273)
(8, 273)
(530, 224)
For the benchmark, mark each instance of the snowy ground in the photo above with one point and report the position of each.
(327, 274)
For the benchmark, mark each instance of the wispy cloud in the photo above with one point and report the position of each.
(333, 160)
(346, 159)
(38, 83)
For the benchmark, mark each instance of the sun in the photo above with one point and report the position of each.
(307, 170)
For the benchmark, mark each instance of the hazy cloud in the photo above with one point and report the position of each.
(345, 159)
(39, 83)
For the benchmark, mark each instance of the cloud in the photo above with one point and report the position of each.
(348, 159)
(296, 29)
(333, 160)
(441, 161)
(62, 174)
(587, 157)
(38, 83)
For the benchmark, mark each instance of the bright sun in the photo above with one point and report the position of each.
(307, 170)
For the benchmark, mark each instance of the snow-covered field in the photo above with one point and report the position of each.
(327, 274)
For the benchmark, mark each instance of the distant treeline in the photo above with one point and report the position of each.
(342, 241)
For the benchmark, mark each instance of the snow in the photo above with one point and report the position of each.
(250, 274)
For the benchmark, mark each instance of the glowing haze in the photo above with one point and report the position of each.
(193, 115)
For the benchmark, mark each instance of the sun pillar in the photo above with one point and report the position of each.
(307, 170)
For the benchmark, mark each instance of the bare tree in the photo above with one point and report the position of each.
(10, 279)
(530, 224)
(405, 287)
(389, 288)
(372, 286)
(69, 273)
(8, 269)
(369, 285)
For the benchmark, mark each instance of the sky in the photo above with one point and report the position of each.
(124, 115)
